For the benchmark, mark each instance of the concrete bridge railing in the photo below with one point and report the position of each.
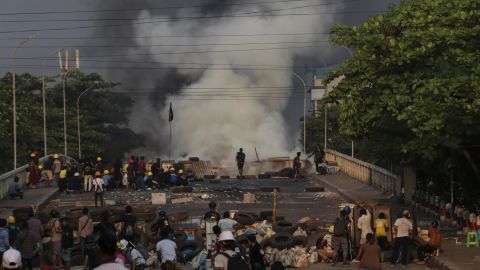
(367, 173)
(22, 173)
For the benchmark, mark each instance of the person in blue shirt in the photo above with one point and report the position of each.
(106, 179)
(4, 239)
(14, 189)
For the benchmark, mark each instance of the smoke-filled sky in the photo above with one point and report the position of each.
(226, 66)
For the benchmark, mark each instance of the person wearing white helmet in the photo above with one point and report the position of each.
(228, 257)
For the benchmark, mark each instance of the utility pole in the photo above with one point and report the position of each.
(304, 113)
(351, 54)
(45, 151)
(14, 100)
(78, 121)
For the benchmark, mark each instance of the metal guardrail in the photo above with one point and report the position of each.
(367, 173)
(22, 172)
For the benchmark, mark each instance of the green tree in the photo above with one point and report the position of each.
(103, 118)
(415, 80)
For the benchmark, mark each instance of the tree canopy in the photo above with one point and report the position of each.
(415, 80)
(103, 117)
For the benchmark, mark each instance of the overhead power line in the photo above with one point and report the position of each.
(167, 36)
(165, 8)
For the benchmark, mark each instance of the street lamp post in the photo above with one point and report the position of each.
(44, 103)
(14, 100)
(78, 122)
(304, 113)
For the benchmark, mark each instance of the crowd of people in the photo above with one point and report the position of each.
(374, 241)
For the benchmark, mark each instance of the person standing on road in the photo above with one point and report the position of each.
(85, 228)
(162, 225)
(56, 227)
(340, 238)
(318, 156)
(363, 224)
(256, 253)
(91, 257)
(4, 237)
(87, 176)
(403, 229)
(129, 224)
(98, 189)
(67, 242)
(297, 164)
(240, 162)
(36, 228)
(26, 245)
(57, 167)
(33, 174)
(47, 170)
(107, 245)
(381, 228)
(13, 230)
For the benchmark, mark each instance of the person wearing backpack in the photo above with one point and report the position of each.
(98, 189)
(340, 237)
(137, 255)
(227, 258)
(129, 223)
(85, 228)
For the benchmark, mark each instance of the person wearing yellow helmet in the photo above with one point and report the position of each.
(57, 167)
(12, 228)
(149, 180)
(98, 188)
(107, 179)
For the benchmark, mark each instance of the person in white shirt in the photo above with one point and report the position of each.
(227, 247)
(166, 249)
(98, 189)
(364, 225)
(403, 229)
(107, 244)
(226, 223)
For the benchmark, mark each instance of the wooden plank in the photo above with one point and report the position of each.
(159, 198)
(182, 200)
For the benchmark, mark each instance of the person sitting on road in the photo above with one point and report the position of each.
(137, 261)
(166, 249)
(14, 189)
(434, 243)
(325, 250)
(381, 228)
(226, 223)
(369, 254)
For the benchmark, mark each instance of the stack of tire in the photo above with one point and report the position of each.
(284, 238)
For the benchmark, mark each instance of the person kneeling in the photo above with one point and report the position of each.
(14, 189)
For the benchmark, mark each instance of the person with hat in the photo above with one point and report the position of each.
(26, 245)
(13, 229)
(226, 252)
(12, 259)
(107, 179)
(99, 164)
(137, 260)
(240, 158)
(403, 230)
(166, 249)
(14, 189)
(148, 180)
(98, 189)
(57, 166)
(173, 177)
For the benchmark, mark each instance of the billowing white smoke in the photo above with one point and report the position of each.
(214, 127)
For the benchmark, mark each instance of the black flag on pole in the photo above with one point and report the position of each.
(170, 113)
